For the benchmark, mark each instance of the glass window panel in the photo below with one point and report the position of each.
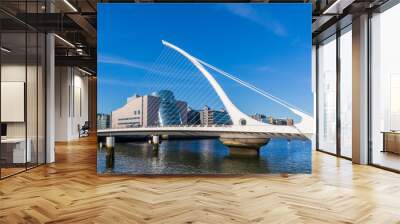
(14, 153)
(385, 95)
(32, 87)
(22, 63)
(346, 92)
(394, 102)
(31, 97)
(41, 98)
(327, 95)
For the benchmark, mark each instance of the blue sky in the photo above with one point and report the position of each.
(267, 45)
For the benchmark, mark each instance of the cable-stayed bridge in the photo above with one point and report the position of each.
(241, 131)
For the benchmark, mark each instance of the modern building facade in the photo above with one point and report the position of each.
(103, 121)
(279, 121)
(170, 111)
(157, 109)
(193, 117)
(272, 120)
(260, 117)
(209, 116)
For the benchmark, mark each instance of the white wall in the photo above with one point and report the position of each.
(71, 103)
(61, 103)
(12, 73)
(33, 125)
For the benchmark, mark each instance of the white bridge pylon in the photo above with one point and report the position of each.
(305, 126)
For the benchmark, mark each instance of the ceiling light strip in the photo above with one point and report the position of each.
(70, 5)
(337, 7)
(5, 50)
(64, 40)
(84, 71)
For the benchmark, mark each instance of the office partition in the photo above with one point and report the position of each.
(22, 87)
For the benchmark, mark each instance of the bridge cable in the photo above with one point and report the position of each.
(252, 87)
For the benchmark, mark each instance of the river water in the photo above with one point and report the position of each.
(206, 156)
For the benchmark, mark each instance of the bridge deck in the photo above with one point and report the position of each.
(267, 131)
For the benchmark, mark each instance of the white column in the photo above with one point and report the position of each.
(63, 99)
(50, 98)
(360, 90)
(314, 91)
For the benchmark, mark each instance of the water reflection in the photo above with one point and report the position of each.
(110, 158)
(206, 156)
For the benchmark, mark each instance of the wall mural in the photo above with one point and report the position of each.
(204, 89)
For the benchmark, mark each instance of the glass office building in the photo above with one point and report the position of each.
(168, 111)
(209, 116)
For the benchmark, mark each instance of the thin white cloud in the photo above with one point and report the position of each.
(163, 69)
(107, 59)
(248, 12)
(116, 82)
(265, 68)
(140, 85)
(256, 68)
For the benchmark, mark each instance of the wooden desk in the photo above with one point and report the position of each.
(391, 141)
(17, 148)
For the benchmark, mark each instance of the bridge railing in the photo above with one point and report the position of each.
(185, 125)
(201, 126)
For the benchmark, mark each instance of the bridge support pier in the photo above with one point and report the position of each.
(155, 142)
(244, 146)
(110, 154)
